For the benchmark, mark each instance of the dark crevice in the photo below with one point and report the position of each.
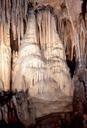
(13, 43)
(84, 8)
(72, 66)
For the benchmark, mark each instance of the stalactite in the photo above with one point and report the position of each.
(21, 27)
(13, 19)
(3, 11)
(69, 39)
(82, 37)
(6, 58)
(65, 30)
(14, 13)
(7, 9)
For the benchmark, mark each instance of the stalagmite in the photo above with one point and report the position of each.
(28, 45)
(24, 72)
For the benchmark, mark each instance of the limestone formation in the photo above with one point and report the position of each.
(40, 40)
(41, 68)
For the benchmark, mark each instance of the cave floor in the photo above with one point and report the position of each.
(57, 120)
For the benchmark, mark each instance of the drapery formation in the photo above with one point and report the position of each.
(41, 66)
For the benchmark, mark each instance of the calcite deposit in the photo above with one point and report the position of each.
(40, 42)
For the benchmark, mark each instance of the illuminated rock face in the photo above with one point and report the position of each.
(41, 67)
(37, 38)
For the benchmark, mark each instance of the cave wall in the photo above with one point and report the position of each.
(37, 39)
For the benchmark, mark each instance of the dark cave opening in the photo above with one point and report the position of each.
(13, 43)
(72, 65)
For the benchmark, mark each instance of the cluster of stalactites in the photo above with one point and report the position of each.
(73, 35)
(13, 16)
(14, 21)
(13, 13)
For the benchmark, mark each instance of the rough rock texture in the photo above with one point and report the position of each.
(37, 38)
(80, 94)
(23, 109)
